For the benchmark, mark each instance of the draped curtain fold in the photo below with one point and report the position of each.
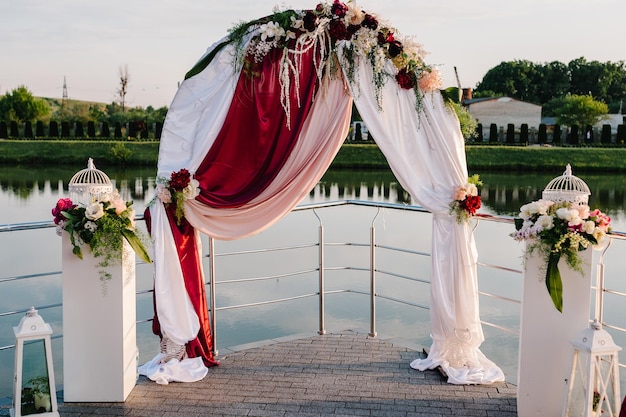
(426, 153)
(255, 162)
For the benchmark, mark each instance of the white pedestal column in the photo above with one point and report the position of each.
(545, 351)
(99, 328)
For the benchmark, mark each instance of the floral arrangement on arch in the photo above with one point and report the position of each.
(466, 200)
(329, 27)
(560, 230)
(180, 186)
(100, 226)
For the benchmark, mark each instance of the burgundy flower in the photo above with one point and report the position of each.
(310, 21)
(370, 22)
(339, 9)
(395, 48)
(319, 8)
(406, 79)
(180, 179)
(352, 29)
(338, 30)
(64, 204)
(471, 204)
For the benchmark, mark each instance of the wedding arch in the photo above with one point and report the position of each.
(257, 122)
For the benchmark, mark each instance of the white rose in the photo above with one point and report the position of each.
(472, 190)
(94, 211)
(192, 189)
(91, 226)
(545, 222)
(589, 226)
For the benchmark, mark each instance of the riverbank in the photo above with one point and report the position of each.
(353, 156)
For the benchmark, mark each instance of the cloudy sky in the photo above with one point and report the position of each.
(88, 41)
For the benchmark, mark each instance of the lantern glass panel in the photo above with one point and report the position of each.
(35, 379)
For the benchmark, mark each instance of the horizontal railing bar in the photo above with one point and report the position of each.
(7, 347)
(25, 310)
(499, 297)
(253, 251)
(497, 326)
(394, 274)
(285, 275)
(614, 292)
(413, 252)
(20, 277)
(397, 300)
(501, 268)
(260, 303)
(610, 326)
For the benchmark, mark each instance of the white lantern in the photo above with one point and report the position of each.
(34, 389)
(594, 386)
(89, 185)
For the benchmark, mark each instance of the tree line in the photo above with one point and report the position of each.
(548, 84)
(23, 115)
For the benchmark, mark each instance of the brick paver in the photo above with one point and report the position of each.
(339, 374)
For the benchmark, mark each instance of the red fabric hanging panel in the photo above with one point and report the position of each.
(255, 140)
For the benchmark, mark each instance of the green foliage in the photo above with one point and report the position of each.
(467, 121)
(581, 110)
(120, 153)
(19, 105)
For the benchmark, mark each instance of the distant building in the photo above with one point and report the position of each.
(503, 111)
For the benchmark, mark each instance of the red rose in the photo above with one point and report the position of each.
(471, 204)
(370, 22)
(64, 204)
(180, 179)
(338, 30)
(406, 79)
(395, 48)
(339, 9)
(310, 21)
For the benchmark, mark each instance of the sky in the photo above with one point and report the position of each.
(87, 42)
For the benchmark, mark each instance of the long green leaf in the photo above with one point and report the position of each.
(136, 244)
(554, 283)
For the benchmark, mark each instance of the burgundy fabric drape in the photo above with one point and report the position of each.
(255, 140)
(190, 263)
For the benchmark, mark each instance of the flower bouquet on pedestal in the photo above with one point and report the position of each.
(560, 230)
(100, 226)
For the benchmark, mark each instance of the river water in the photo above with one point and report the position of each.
(28, 194)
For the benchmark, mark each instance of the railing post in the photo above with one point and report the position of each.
(212, 295)
(599, 316)
(322, 329)
(373, 276)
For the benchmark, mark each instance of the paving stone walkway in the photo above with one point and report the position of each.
(339, 374)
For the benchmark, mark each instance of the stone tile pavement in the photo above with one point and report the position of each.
(338, 374)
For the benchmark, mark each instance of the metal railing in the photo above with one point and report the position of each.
(322, 247)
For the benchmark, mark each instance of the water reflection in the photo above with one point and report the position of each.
(502, 193)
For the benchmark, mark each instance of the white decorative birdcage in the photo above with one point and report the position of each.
(89, 185)
(567, 188)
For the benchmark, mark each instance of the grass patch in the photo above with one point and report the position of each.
(350, 156)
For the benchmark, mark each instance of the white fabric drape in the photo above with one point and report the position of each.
(426, 154)
(193, 122)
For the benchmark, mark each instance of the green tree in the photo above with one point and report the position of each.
(517, 79)
(581, 110)
(19, 105)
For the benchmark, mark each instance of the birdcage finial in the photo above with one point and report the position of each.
(89, 185)
(567, 188)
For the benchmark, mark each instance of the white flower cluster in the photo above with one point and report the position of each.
(540, 215)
